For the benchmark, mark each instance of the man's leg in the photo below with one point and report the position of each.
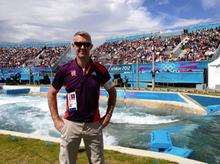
(93, 139)
(70, 141)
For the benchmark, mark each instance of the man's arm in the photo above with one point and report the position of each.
(52, 102)
(110, 108)
(111, 100)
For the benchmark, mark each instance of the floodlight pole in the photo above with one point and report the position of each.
(153, 70)
(138, 80)
(30, 74)
(51, 73)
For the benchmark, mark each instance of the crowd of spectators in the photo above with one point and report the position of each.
(16, 57)
(194, 46)
(47, 57)
(128, 52)
(22, 57)
(198, 46)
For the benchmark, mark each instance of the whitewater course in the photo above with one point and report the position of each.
(192, 121)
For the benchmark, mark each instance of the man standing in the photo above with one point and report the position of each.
(82, 79)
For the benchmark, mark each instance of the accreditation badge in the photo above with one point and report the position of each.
(71, 101)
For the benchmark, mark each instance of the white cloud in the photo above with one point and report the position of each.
(59, 19)
(208, 4)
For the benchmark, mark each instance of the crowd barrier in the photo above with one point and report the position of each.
(188, 72)
(34, 74)
(135, 74)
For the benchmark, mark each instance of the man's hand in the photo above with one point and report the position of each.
(59, 123)
(105, 120)
(109, 111)
(52, 102)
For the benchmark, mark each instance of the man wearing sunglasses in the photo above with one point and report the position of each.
(82, 79)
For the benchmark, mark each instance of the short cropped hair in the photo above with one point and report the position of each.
(83, 34)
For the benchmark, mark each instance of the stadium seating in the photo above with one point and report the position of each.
(171, 53)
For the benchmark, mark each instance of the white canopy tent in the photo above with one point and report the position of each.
(214, 74)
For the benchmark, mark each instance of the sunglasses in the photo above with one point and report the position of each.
(84, 44)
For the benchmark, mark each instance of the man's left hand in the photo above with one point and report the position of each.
(105, 120)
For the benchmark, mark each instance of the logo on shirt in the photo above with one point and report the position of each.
(73, 73)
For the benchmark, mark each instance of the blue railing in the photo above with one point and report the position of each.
(202, 26)
(34, 44)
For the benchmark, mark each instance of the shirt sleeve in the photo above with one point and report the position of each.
(105, 76)
(58, 79)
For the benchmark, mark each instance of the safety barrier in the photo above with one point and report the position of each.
(136, 75)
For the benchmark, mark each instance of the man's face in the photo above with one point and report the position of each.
(82, 46)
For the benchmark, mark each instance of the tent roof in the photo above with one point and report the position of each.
(215, 62)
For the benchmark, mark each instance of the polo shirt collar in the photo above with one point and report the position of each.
(89, 65)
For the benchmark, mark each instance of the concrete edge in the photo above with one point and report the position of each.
(160, 106)
(37, 89)
(203, 95)
(156, 105)
(156, 91)
(189, 106)
(193, 103)
(130, 151)
(32, 88)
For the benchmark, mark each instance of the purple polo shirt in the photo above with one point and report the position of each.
(87, 87)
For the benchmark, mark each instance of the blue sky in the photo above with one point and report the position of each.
(185, 9)
(59, 19)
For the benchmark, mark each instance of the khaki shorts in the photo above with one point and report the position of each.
(71, 135)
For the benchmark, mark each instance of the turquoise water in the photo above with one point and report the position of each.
(30, 114)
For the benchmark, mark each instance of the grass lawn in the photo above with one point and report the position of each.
(30, 151)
